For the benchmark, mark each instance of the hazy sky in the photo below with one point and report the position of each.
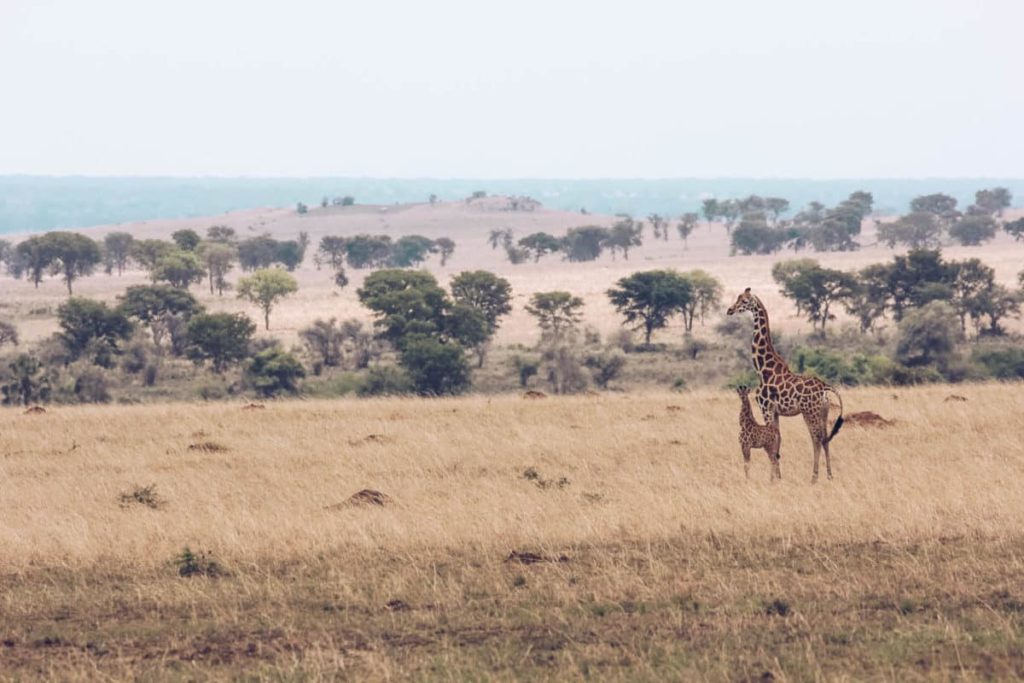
(453, 88)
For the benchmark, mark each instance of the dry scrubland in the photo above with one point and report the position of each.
(660, 560)
(469, 224)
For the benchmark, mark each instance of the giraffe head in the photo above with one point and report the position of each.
(744, 302)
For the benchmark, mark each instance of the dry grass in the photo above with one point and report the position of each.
(908, 565)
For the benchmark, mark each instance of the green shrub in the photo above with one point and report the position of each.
(91, 386)
(385, 380)
(274, 371)
(435, 368)
(1005, 363)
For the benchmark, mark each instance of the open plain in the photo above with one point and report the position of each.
(552, 539)
(469, 225)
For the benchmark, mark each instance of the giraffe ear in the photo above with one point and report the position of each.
(747, 290)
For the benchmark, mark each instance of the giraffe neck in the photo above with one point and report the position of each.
(746, 414)
(764, 353)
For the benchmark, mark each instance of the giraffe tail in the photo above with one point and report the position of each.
(839, 420)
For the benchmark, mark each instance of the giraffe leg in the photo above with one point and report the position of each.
(824, 439)
(817, 437)
(775, 455)
(828, 461)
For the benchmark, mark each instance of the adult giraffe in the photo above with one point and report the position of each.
(785, 393)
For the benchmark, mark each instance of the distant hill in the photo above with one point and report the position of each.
(32, 203)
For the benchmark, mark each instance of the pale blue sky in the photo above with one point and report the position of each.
(453, 88)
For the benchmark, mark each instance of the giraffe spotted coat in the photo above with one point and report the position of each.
(784, 393)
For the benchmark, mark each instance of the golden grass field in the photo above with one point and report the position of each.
(661, 562)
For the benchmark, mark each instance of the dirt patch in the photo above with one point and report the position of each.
(674, 409)
(363, 498)
(955, 398)
(208, 447)
(868, 419)
(534, 394)
(527, 557)
(34, 410)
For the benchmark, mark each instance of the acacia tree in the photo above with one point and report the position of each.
(539, 244)
(813, 289)
(218, 258)
(368, 251)
(332, 249)
(265, 288)
(918, 230)
(221, 338)
(410, 250)
(147, 252)
(659, 225)
(557, 312)
(648, 299)
(221, 233)
(993, 200)
(71, 255)
(487, 293)
(91, 327)
(156, 307)
(585, 243)
(186, 239)
(1015, 228)
(30, 258)
(445, 247)
(942, 206)
(501, 236)
(869, 299)
(687, 222)
(710, 209)
(178, 268)
(974, 229)
(705, 296)
(624, 235)
(117, 251)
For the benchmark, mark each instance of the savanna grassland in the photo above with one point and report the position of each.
(35, 309)
(609, 536)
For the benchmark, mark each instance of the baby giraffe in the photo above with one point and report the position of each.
(754, 435)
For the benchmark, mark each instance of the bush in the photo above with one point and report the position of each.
(274, 371)
(435, 368)
(928, 335)
(385, 380)
(525, 368)
(90, 328)
(91, 386)
(1001, 363)
(136, 356)
(693, 347)
(623, 340)
(323, 339)
(221, 338)
(605, 366)
(563, 370)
